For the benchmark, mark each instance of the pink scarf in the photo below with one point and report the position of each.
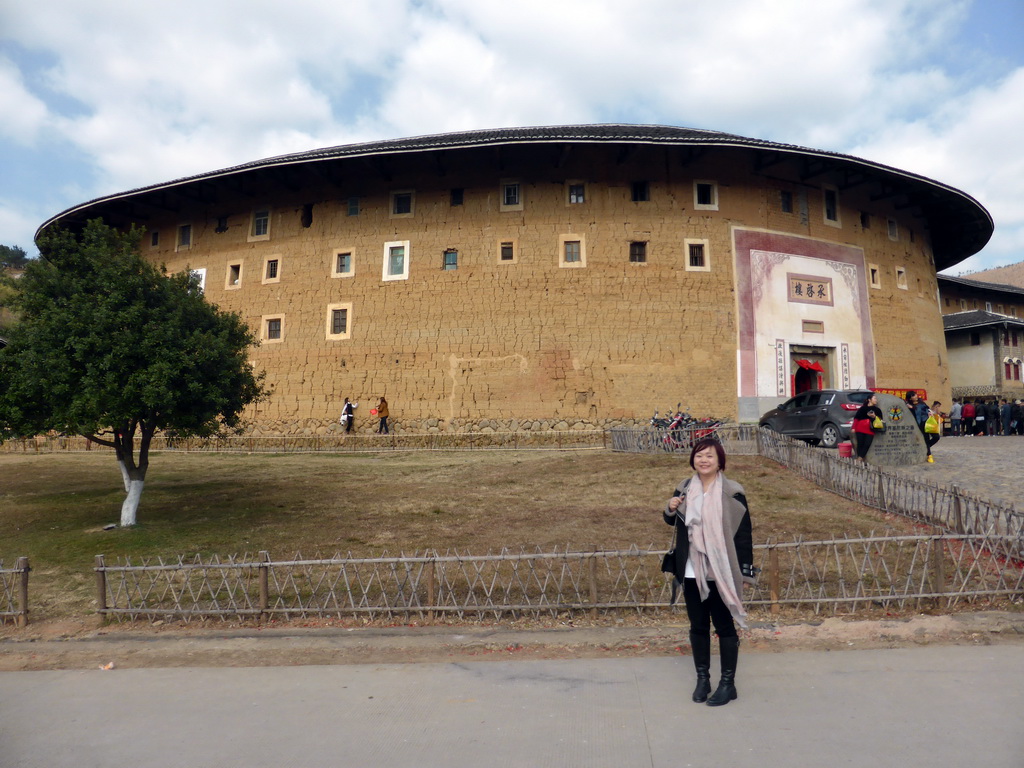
(708, 553)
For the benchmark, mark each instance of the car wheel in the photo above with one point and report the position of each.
(829, 436)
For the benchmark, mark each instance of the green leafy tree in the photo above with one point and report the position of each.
(11, 256)
(109, 347)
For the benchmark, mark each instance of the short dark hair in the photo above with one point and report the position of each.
(708, 442)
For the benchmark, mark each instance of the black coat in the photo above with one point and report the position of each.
(736, 518)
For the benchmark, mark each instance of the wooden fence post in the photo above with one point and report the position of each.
(101, 588)
(431, 587)
(882, 504)
(938, 569)
(264, 574)
(958, 512)
(593, 584)
(22, 565)
(773, 577)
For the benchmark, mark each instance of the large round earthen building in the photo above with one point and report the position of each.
(564, 276)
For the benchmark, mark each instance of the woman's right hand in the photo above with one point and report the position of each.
(674, 502)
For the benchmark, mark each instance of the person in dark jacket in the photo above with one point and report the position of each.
(1005, 416)
(992, 417)
(714, 560)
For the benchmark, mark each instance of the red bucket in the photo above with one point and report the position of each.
(846, 449)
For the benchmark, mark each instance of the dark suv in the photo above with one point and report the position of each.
(822, 416)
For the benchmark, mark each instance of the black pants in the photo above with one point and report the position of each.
(930, 439)
(702, 614)
(863, 443)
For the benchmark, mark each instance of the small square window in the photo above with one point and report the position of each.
(401, 203)
(901, 278)
(273, 328)
(638, 252)
(184, 236)
(865, 220)
(831, 205)
(457, 196)
(353, 206)
(259, 228)
(577, 193)
(511, 196)
(572, 251)
(154, 239)
(222, 225)
(396, 260)
(234, 276)
(975, 339)
(641, 192)
(450, 259)
(339, 321)
(963, 304)
(874, 276)
(786, 201)
(343, 264)
(894, 230)
(705, 196)
(507, 251)
(272, 269)
(697, 256)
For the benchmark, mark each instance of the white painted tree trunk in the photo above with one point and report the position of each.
(131, 502)
(124, 475)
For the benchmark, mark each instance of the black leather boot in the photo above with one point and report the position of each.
(729, 649)
(701, 645)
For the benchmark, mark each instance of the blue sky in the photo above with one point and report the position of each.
(110, 95)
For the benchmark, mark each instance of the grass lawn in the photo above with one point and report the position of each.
(53, 507)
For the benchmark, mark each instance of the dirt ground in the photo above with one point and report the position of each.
(75, 645)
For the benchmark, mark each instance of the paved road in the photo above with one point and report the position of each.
(990, 467)
(932, 706)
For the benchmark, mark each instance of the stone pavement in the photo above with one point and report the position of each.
(933, 706)
(989, 467)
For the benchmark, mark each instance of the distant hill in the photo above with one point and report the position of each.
(1011, 274)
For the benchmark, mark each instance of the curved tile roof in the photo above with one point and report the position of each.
(960, 225)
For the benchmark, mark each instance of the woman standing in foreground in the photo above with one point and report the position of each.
(714, 559)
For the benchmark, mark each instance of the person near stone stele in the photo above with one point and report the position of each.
(865, 423)
(901, 443)
(713, 558)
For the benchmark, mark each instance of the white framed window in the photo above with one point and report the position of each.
(572, 251)
(272, 269)
(901, 278)
(697, 255)
(201, 274)
(511, 195)
(339, 321)
(343, 262)
(508, 251)
(396, 260)
(403, 204)
(874, 276)
(184, 241)
(575, 192)
(272, 329)
(233, 276)
(705, 195)
(830, 206)
(894, 230)
(259, 225)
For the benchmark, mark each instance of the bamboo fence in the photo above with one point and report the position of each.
(14, 592)
(839, 576)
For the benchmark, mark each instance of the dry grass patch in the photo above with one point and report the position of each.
(54, 507)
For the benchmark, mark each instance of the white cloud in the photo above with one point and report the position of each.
(24, 115)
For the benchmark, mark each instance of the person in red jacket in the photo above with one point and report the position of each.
(967, 414)
(863, 424)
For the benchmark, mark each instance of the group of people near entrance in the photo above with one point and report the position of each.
(868, 421)
(348, 415)
(986, 416)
